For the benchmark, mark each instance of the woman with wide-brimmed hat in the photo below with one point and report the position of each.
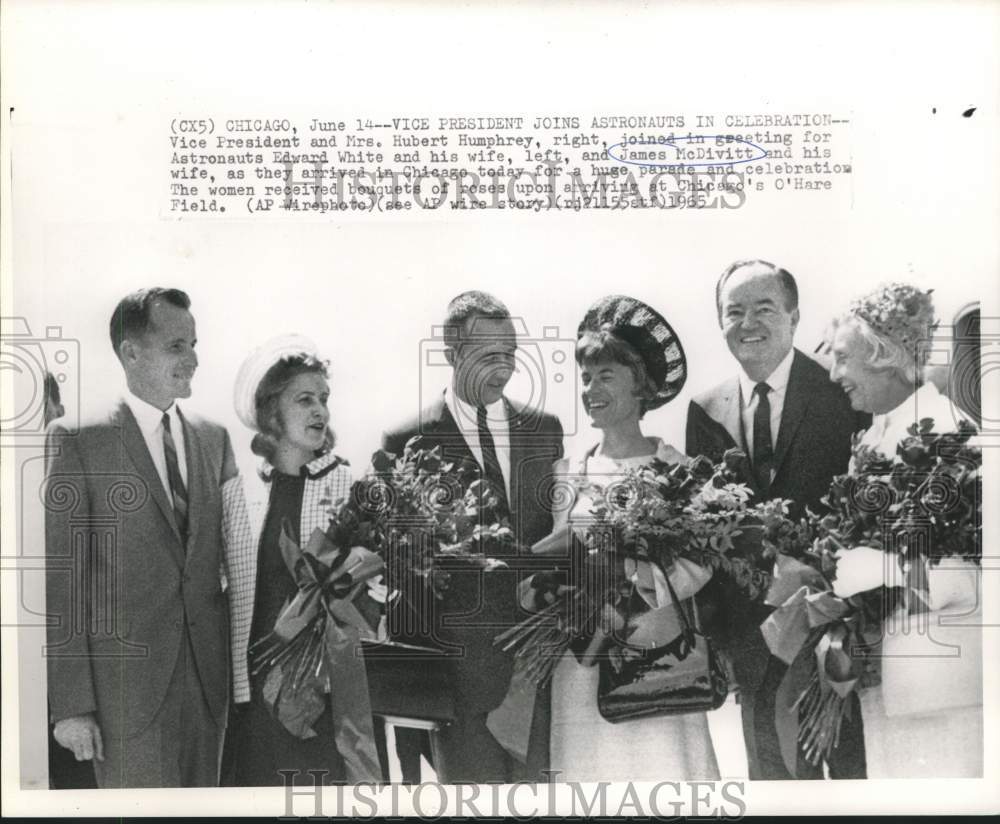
(630, 362)
(281, 395)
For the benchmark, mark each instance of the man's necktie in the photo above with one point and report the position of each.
(494, 475)
(763, 451)
(177, 491)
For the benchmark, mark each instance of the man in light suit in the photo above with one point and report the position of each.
(138, 650)
(795, 426)
(512, 447)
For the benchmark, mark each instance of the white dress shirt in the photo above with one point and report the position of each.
(778, 381)
(150, 420)
(496, 421)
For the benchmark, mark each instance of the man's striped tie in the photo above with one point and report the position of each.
(177, 491)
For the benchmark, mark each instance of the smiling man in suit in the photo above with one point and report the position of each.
(512, 447)
(795, 426)
(138, 652)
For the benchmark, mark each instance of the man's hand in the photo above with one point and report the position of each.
(81, 735)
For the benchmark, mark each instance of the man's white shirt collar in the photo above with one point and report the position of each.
(465, 414)
(150, 421)
(777, 380)
(148, 416)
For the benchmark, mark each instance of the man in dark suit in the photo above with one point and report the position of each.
(795, 426)
(138, 651)
(512, 447)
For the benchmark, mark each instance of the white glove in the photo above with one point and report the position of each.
(863, 568)
(377, 590)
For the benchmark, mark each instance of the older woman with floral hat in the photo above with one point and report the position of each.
(925, 719)
(630, 362)
(281, 395)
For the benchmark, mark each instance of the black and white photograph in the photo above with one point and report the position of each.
(427, 409)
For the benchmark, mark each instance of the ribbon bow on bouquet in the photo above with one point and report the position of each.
(314, 648)
(814, 632)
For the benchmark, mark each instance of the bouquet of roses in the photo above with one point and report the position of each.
(417, 509)
(657, 516)
(901, 516)
(399, 520)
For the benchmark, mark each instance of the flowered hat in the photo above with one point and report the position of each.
(256, 366)
(649, 334)
(900, 312)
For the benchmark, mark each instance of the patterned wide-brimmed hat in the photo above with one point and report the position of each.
(649, 334)
(256, 366)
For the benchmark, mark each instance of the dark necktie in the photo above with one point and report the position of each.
(763, 451)
(494, 475)
(177, 491)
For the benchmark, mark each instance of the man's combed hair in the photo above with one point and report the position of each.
(472, 304)
(131, 315)
(788, 284)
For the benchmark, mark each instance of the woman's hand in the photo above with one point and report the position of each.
(863, 568)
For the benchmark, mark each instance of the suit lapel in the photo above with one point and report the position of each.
(442, 427)
(196, 475)
(731, 417)
(138, 452)
(518, 456)
(796, 403)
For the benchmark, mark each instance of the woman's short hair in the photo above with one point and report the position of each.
(887, 352)
(274, 382)
(603, 346)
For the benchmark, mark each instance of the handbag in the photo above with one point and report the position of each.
(684, 676)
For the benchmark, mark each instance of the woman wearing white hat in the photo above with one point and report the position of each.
(281, 394)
